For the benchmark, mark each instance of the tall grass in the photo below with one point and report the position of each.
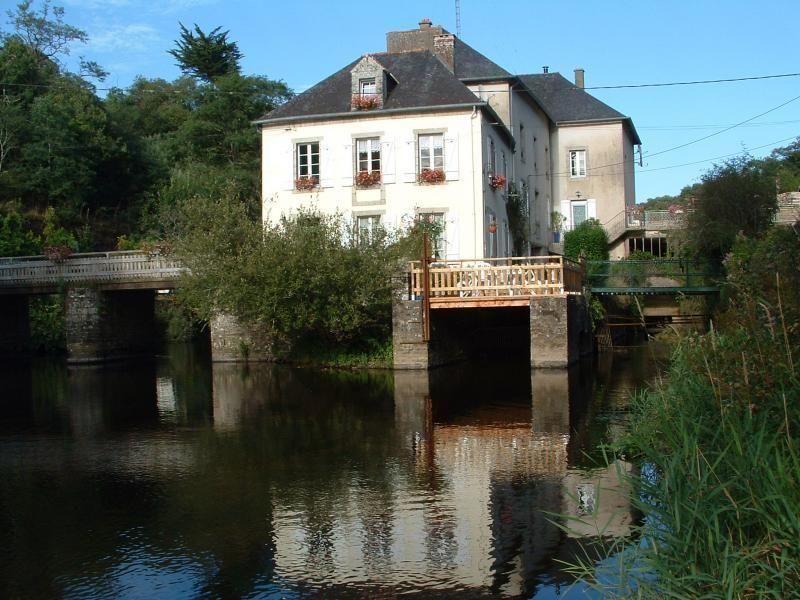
(720, 440)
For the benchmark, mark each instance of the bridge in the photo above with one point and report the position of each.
(651, 277)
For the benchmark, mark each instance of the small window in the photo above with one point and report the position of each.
(368, 226)
(522, 142)
(308, 160)
(431, 152)
(367, 87)
(577, 163)
(368, 155)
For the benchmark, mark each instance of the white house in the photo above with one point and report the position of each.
(433, 129)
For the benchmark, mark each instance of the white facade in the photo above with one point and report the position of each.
(465, 200)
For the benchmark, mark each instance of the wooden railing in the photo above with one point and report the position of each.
(95, 267)
(498, 277)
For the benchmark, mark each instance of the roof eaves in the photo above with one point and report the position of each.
(362, 114)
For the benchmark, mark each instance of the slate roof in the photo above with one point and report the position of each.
(564, 102)
(471, 64)
(422, 81)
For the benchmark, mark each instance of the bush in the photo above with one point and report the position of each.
(15, 239)
(588, 240)
(306, 279)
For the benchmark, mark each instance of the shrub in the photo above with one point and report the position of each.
(588, 240)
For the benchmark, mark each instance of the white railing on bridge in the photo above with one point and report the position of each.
(94, 267)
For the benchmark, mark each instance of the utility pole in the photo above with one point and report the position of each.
(458, 18)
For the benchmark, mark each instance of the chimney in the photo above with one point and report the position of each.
(425, 23)
(415, 39)
(579, 78)
(545, 69)
(444, 49)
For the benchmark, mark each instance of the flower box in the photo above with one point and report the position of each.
(366, 102)
(497, 181)
(306, 184)
(365, 179)
(431, 176)
(57, 253)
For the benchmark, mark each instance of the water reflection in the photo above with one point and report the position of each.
(180, 478)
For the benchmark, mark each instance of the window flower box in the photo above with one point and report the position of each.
(431, 176)
(57, 253)
(497, 181)
(366, 102)
(305, 183)
(366, 179)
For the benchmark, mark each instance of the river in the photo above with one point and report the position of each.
(175, 478)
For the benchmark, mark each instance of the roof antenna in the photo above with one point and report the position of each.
(458, 18)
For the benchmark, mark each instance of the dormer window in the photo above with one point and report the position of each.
(367, 86)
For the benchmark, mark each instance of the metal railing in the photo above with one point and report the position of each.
(94, 267)
(498, 277)
(619, 276)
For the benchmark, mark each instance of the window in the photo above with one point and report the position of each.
(577, 163)
(368, 155)
(435, 223)
(367, 87)
(308, 160)
(522, 142)
(431, 152)
(367, 226)
(492, 158)
(579, 213)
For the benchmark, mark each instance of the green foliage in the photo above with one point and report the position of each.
(15, 239)
(718, 441)
(206, 55)
(518, 223)
(53, 234)
(588, 240)
(735, 196)
(306, 278)
(44, 31)
(47, 324)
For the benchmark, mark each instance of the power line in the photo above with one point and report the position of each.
(689, 127)
(710, 135)
(699, 82)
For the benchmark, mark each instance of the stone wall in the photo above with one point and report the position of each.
(561, 330)
(231, 341)
(104, 326)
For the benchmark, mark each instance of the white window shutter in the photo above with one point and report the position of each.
(408, 161)
(285, 159)
(591, 208)
(347, 167)
(387, 162)
(451, 236)
(565, 210)
(326, 166)
(451, 157)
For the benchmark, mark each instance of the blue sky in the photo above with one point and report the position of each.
(615, 41)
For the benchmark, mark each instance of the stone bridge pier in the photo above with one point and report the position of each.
(106, 325)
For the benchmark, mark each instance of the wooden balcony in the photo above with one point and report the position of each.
(495, 282)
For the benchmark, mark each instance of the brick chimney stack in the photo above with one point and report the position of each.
(444, 49)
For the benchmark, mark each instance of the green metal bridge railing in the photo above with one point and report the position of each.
(660, 276)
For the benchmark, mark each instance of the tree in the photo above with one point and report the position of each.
(589, 239)
(206, 56)
(48, 36)
(737, 196)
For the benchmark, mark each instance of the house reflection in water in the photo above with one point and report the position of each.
(471, 473)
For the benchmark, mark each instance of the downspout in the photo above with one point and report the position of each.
(474, 195)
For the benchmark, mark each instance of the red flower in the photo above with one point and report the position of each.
(306, 183)
(431, 176)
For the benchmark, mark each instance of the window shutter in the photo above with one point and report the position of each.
(408, 161)
(285, 159)
(451, 157)
(451, 236)
(591, 208)
(565, 210)
(387, 162)
(326, 166)
(347, 166)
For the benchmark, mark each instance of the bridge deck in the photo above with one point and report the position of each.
(109, 270)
